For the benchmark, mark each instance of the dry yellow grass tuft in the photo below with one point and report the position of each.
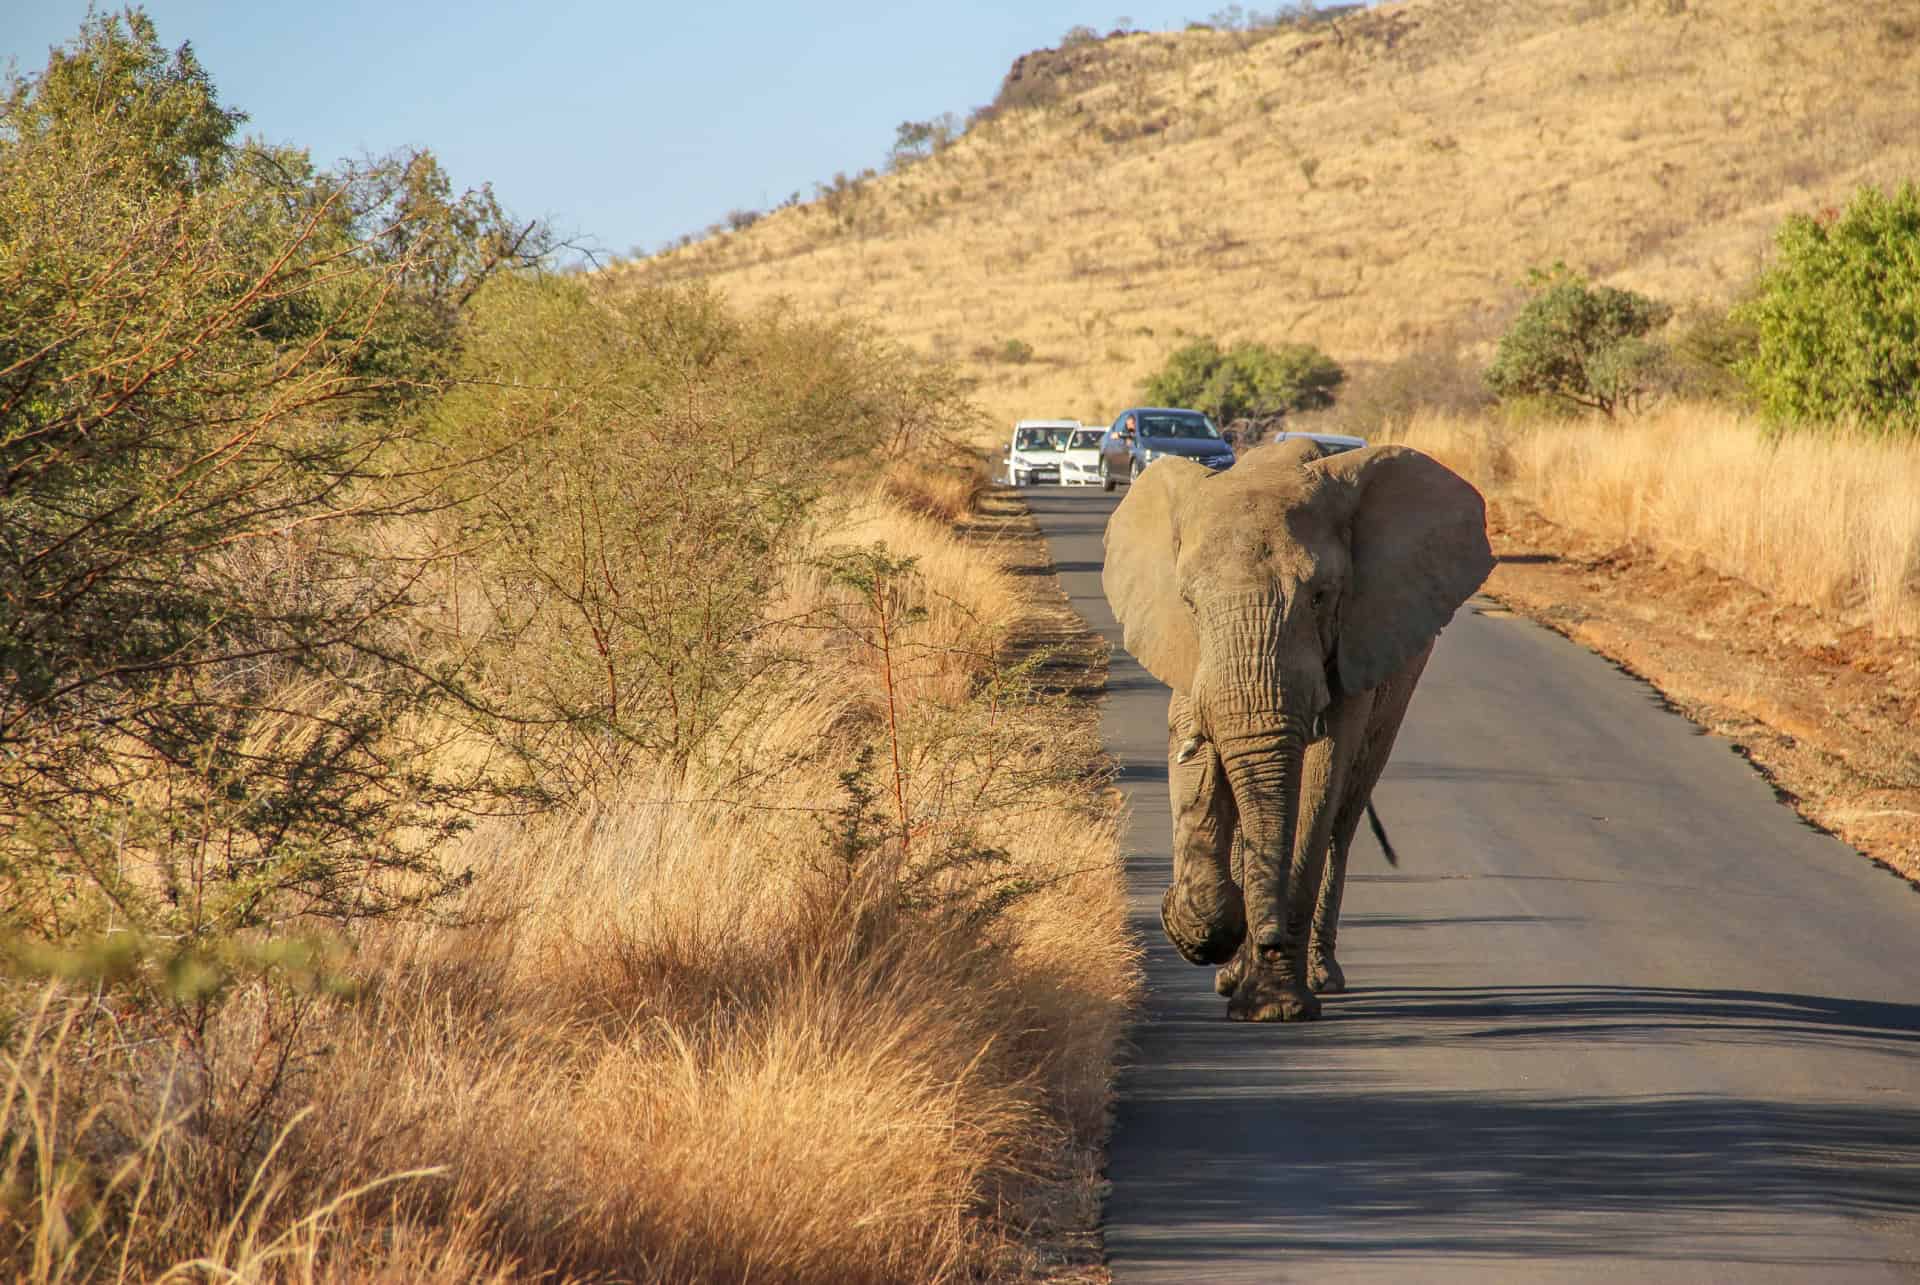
(731, 1020)
(1366, 187)
(1828, 521)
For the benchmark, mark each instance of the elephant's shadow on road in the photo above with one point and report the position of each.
(1358, 1165)
(1640, 1014)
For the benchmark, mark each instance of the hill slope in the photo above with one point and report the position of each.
(1371, 186)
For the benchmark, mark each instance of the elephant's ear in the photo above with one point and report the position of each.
(1143, 535)
(1419, 545)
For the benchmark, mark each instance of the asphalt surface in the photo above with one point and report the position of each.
(1619, 1015)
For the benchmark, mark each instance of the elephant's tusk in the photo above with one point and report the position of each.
(1188, 748)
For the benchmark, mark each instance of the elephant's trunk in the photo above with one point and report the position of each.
(1264, 773)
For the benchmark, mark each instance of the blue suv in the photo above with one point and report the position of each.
(1146, 433)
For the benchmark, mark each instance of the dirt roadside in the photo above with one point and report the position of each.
(1828, 714)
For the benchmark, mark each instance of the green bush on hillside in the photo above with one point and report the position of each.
(1709, 348)
(1247, 380)
(1837, 316)
(1581, 345)
(1384, 399)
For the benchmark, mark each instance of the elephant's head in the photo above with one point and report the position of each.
(1268, 592)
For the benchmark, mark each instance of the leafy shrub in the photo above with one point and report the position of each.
(1710, 347)
(638, 463)
(1385, 399)
(1013, 352)
(1580, 344)
(1248, 380)
(1837, 316)
(209, 358)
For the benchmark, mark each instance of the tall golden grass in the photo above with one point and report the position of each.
(718, 1024)
(1828, 520)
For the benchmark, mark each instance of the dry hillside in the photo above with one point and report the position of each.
(1371, 186)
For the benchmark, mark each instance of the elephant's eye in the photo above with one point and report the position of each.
(1321, 597)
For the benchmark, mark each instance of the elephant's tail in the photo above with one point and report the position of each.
(1380, 833)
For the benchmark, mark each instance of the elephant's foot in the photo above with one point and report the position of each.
(1227, 980)
(1272, 992)
(1202, 934)
(1324, 975)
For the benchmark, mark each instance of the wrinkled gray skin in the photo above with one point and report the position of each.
(1290, 603)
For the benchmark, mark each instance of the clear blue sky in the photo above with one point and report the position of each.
(623, 124)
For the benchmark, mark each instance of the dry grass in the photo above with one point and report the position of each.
(1364, 193)
(721, 1025)
(1831, 522)
(951, 494)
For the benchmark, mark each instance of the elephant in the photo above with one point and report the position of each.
(1291, 603)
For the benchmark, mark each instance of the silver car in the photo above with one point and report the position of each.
(1080, 462)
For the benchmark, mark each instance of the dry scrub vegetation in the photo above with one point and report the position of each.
(502, 778)
(1370, 188)
(683, 1032)
(710, 1022)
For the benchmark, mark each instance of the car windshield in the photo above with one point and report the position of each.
(1040, 439)
(1190, 427)
(1084, 439)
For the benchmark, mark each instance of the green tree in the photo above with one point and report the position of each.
(1837, 316)
(169, 129)
(1580, 344)
(209, 356)
(1248, 380)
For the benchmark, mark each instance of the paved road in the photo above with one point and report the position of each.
(1618, 1015)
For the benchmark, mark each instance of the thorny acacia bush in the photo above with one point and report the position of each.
(1581, 345)
(209, 353)
(640, 468)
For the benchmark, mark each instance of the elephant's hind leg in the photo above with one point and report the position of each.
(1324, 974)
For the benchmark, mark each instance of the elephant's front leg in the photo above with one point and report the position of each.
(1227, 979)
(1202, 912)
(1323, 772)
